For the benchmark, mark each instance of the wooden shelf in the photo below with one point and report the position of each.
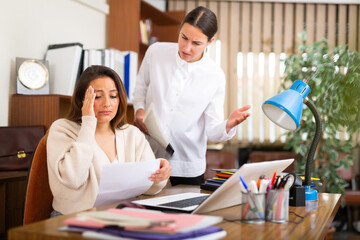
(124, 30)
(157, 17)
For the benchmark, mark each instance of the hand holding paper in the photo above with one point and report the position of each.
(163, 173)
(114, 182)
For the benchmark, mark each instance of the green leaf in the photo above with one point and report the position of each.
(337, 99)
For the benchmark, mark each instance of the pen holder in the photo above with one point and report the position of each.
(277, 205)
(253, 207)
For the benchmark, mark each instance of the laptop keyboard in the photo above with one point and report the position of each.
(186, 202)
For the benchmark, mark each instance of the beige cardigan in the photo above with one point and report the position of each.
(75, 161)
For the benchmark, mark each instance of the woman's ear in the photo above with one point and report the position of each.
(211, 40)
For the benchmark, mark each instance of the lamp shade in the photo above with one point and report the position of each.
(285, 109)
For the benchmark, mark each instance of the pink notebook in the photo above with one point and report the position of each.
(180, 222)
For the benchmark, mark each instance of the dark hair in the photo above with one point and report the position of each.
(90, 74)
(204, 19)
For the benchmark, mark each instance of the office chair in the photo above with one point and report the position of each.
(38, 196)
(352, 194)
(219, 159)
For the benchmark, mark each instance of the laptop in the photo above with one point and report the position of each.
(227, 195)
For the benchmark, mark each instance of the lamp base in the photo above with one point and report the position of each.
(310, 194)
(297, 196)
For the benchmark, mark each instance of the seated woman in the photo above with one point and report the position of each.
(93, 134)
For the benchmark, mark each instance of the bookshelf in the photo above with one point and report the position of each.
(124, 29)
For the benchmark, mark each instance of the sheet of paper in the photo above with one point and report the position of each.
(125, 180)
(155, 131)
(153, 126)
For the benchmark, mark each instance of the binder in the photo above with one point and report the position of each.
(124, 63)
(65, 67)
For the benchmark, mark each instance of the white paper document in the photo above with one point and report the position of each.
(125, 180)
(155, 131)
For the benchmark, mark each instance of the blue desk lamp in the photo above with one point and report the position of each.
(285, 110)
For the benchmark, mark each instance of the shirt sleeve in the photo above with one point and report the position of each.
(142, 82)
(70, 153)
(215, 124)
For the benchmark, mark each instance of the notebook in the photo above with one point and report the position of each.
(227, 195)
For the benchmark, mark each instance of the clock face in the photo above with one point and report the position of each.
(33, 74)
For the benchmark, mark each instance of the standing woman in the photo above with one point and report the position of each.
(187, 90)
(94, 134)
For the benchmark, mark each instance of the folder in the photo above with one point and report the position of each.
(124, 63)
(155, 131)
(65, 65)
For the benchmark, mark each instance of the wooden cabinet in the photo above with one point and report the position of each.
(30, 110)
(34, 110)
(124, 29)
(12, 196)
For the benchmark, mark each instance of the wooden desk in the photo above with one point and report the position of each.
(313, 222)
(12, 196)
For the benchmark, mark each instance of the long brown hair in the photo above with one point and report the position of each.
(90, 74)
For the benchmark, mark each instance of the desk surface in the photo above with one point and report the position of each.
(310, 222)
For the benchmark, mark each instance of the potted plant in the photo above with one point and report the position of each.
(333, 74)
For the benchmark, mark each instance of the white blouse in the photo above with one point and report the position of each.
(188, 99)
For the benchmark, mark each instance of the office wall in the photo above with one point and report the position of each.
(27, 27)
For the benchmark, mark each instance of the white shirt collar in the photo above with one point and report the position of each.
(188, 66)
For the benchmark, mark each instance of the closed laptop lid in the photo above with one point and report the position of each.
(229, 193)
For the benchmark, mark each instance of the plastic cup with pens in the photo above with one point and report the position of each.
(277, 202)
(253, 207)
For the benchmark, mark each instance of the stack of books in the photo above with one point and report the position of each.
(137, 223)
(221, 175)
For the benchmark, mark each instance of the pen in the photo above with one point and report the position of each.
(288, 183)
(263, 186)
(243, 183)
(282, 183)
(244, 189)
(275, 184)
(279, 205)
(252, 187)
(245, 210)
(269, 185)
(262, 176)
(273, 179)
(251, 199)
